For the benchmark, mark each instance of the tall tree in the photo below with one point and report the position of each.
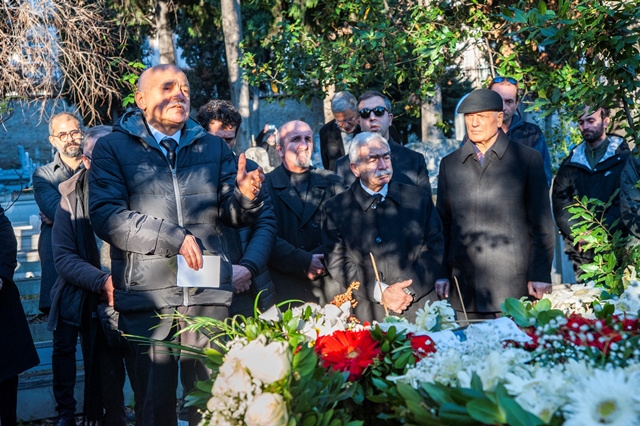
(164, 33)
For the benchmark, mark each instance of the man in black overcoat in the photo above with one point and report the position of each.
(493, 200)
(395, 222)
(375, 114)
(297, 192)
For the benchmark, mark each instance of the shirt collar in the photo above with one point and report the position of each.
(382, 192)
(158, 135)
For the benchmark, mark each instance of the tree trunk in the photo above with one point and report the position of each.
(164, 33)
(431, 115)
(240, 96)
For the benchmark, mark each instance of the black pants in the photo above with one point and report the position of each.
(156, 369)
(9, 401)
(63, 362)
(113, 362)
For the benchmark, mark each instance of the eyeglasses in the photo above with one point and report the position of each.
(74, 134)
(377, 111)
(347, 121)
(507, 79)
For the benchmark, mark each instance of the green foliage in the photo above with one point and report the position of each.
(611, 249)
(527, 314)
(130, 79)
(437, 404)
(587, 54)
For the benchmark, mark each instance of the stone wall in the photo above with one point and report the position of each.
(27, 128)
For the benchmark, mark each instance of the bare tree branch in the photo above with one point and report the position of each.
(52, 49)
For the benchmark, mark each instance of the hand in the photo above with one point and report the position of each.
(538, 289)
(266, 128)
(45, 219)
(442, 288)
(107, 290)
(1, 283)
(241, 279)
(249, 183)
(395, 298)
(191, 252)
(316, 267)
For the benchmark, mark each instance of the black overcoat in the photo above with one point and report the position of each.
(404, 233)
(20, 354)
(498, 230)
(299, 235)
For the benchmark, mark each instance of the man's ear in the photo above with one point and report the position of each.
(390, 119)
(51, 141)
(140, 100)
(354, 169)
(500, 118)
(607, 122)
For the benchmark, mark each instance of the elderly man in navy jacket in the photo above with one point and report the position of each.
(493, 200)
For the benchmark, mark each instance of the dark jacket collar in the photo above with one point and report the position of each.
(499, 147)
(364, 199)
(280, 178)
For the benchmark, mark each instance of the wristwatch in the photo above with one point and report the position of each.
(410, 293)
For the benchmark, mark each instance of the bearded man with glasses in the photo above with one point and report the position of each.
(409, 167)
(65, 135)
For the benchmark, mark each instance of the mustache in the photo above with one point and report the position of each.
(178, 103)
(381, 173)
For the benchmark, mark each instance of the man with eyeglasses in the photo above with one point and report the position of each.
(494, 204)
(336, 135)
(410, 167)
(514, 126)
(395, 222)
(65, 135)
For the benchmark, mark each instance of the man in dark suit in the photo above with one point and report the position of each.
(336, 135)
(297, 192)
(493, 200)
(248, 248)
(395, 222)
(375, 114)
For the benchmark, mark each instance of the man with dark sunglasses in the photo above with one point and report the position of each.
(514, 126)
(409, 167)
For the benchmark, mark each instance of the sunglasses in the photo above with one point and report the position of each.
(507, 79)
(377, 111)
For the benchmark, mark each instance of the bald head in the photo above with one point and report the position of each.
(163, 95)
(294, 142)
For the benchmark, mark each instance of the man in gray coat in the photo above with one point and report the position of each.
(493, 200)
(158, 187)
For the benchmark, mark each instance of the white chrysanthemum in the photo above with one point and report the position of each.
(427, 318)
(539, 390)
(605, 398)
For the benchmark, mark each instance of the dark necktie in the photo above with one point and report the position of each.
(170, 145)
(377, 199)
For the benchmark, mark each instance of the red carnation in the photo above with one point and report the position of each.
(351, 351)
(422, 346)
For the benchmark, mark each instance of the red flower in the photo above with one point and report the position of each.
(422, 346)
(351, 351)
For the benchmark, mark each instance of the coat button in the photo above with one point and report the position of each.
(378, 240)
(315, 225)
(302, 247)
(301, 229)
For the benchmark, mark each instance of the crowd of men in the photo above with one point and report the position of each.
(127, 212)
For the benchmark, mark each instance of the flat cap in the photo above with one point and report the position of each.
(481, 100)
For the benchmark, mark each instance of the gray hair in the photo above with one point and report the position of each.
(69, 115)
(343, 101)
(363, 139)
(91, 136)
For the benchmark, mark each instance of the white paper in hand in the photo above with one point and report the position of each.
(207, 276)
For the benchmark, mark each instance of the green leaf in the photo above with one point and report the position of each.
(485, 411)
(516, 415)
(454, 415)
(439, 393)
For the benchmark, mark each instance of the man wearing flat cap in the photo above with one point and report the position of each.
(493, 200)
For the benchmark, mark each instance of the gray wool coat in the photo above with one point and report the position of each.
(498, 229)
